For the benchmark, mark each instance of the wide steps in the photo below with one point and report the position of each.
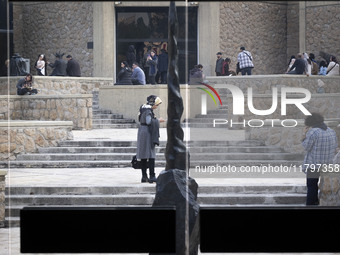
(159, 163)
(103, 118)
(191, 144)
(117, 154)
(143, 195)
(231, 149)
(159, 156)
(113, 121)
(112, 126)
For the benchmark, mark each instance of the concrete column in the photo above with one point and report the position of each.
(302, 26)
(208, 35)
(104, 39)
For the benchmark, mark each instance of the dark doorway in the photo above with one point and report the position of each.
(147, 27)
(5, 17)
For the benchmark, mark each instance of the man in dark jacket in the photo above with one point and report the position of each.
(299, 65)
(163, 65)
(73, 68)
(59, 66)
(219, 64)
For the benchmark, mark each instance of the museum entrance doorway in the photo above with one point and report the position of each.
(147, 28)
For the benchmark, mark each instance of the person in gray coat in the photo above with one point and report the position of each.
(148, 137)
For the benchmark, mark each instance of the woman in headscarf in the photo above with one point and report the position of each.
(124, 75)
(152, 62)
(148, 137)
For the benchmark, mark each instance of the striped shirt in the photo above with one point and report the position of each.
(320, 146)
(244, 59)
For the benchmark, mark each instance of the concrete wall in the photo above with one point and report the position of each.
(261, 84)
(76, 108)
(54, 85)
(29, 136)
(126, 100)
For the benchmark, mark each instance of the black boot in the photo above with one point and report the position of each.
(144, 174)
(152, 170)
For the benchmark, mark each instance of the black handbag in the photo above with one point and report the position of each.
(135, 163)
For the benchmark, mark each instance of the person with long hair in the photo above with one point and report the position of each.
(40, 65)
(124, 75)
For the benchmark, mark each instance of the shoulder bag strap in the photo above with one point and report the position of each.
(331, 68)
(248, 56)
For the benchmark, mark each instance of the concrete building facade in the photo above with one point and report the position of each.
(271, 30)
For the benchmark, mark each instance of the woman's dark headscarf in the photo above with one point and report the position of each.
(153, 100)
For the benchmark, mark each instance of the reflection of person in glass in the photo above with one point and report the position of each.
(148, 137)
(152, 62)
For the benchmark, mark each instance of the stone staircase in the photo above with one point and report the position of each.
(143, 195)
(106, 119)
(207, 120)
(117, 154)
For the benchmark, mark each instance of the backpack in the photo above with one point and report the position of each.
(315, 68)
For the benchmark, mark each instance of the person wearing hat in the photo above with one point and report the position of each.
(73, 68)
(59, 65)
(245, 61)
(148, 137)
(219, 64)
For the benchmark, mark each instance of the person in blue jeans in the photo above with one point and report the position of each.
(24, 86)
(245, 61)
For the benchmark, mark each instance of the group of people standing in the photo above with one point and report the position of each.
(153, 68)
(306, 64)
(60, 67)
(244, 64)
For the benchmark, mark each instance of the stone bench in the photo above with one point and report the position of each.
(56, 85)
(261, 84)
(327, 104)
(76, 108)
(18, 137)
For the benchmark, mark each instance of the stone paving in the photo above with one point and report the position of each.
(10, 238)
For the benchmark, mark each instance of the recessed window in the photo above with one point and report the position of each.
(147, 27)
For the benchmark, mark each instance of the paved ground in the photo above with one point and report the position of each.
(9, 238)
